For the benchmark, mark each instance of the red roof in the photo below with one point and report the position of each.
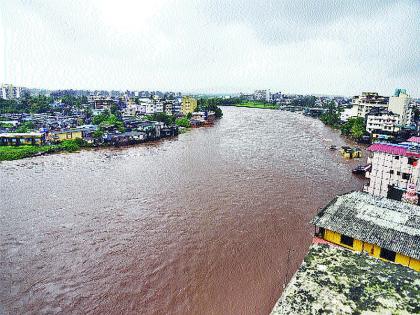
(392, 149)
(414, 139)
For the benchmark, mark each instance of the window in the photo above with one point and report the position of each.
(69, 135)
(398, 173)
(391, 172)
(412, 161)
(397, 157)
(347, 240)
(387, 254)
(406, 176)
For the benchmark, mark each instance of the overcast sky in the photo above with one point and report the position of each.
(329, 47)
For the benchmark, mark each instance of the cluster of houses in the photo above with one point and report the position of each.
(367, 240)
(389, 203)
(134, 112)
(387, 118)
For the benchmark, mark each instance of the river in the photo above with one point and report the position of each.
(211, 222)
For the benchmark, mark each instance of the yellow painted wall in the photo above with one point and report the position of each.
(414, 264)
(335, 238)
(69, 135)
(371, 249)
(188, 105)
(402, 259)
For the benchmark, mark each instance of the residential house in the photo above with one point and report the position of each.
(28, 138)
(65, 134)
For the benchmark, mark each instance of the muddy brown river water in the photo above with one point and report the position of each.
(211, 222)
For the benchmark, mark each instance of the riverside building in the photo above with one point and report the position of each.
(395, 167)
(382, 228)
(379, 119)
(363, 104)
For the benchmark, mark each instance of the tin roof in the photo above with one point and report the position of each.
(390, 224)
(394, 149)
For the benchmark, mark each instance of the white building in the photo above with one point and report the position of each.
(262, 95)
(394, 168)
(363, 104)
(382, 120)
(9, 92)
(348, 113)
(159, 107)
(400, 104)
(150, 107)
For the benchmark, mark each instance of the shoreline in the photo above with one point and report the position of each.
(35, 151)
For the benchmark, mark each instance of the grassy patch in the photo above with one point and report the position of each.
(8, 153)
(256, 104)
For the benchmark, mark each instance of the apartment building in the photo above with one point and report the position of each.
(363, 104)
(188, 105)
(382, 120)
(400, 104)
(262, 95)
(9, 92)
(395, 168)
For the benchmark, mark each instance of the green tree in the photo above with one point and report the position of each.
(354, 127)
(27, 126)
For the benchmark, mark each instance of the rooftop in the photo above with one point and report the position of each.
(394, 149)
(390, 224)
(334, 280)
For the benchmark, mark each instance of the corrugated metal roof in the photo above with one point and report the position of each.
(390, 224)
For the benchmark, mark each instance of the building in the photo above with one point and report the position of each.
(68, 134)
(363, 104)
(394, 167)
(400, 104)
(16, 139)
(348, 113)
(381, 119)
(159, 107)
(101, 102)
(333, 280)
(188, 105)
(380, 227)
(262, 95)
(10, 92)
(168, 107)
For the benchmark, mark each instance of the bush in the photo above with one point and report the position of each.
(70, 145)
(183, 122)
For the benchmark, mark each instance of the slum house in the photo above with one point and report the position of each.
(28, 138)
(381, 227)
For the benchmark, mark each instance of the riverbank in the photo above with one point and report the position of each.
(256, 104)
(10, 153)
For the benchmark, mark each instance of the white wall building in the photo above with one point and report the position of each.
(9, 92)
(150, 108)
(348, 113)
(159, 107)
(382, 121)
(363, 104)
(400, 104)
(262, 95)
(394, 167)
